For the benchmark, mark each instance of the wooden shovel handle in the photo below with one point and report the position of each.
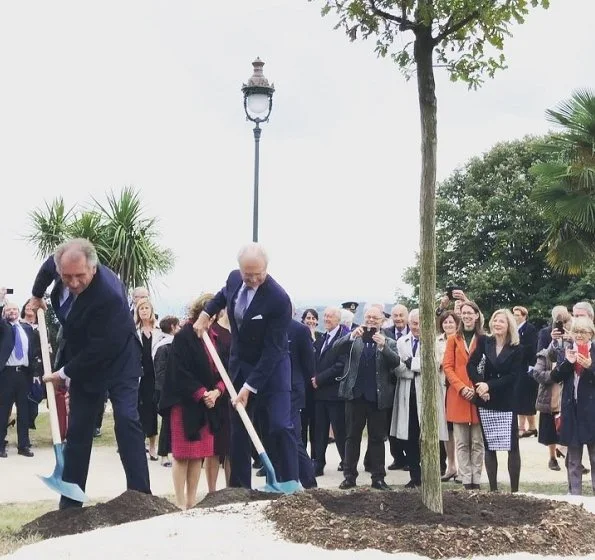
(47, 369)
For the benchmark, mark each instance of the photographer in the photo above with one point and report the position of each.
(368, 391)
(453, 293)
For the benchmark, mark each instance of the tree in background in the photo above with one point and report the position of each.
(125, 239)
(566, 184)
(467, 38)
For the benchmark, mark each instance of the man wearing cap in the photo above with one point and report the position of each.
(351, 306)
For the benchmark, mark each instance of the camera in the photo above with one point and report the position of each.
(450, 289)
(368, 334)
(9, 291)
(559, 326)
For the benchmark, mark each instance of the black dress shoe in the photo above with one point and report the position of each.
(412, 484)
(97, 432)
(395, 466)
(3, 454)
(261, 472)
(347, 484)
(380, 485)
(319, 472)
(340, 467)
(25, 452)
(256, 464)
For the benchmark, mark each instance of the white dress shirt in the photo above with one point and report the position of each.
(13, 361)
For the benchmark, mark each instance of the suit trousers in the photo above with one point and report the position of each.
(469, 447)
(308, 417)
(84, 408)
(358, 413)
(14, 388)
(412, 443)
(574, 467)
(329, 413)
(280, 430)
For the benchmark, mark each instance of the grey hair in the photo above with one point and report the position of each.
(253, 249)
(347, 317)
(414, 313)
(8, 304)
(374, 306)
(585, 306)
(400, 306)
(559, 311)
(81, 246)
(335, 310)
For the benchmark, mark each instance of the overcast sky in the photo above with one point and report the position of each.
(99, 95)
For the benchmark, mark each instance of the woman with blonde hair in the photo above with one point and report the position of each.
(193, 391)
(577, 373)
(494, 367)
(149, 336)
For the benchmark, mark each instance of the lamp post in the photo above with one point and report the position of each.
(258, 103)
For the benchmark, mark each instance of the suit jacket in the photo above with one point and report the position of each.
(544, 337)
(100, 338)
(500, 372)
(329, 367)
(528, 340)
(259, 353)
(303, 366)
(7, 346)
(387, 360)
(391, 332)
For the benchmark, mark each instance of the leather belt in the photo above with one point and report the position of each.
(18, 369)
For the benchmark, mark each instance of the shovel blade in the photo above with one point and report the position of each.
(273, 485)
(54, 481)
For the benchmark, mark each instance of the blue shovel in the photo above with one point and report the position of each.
(55, 482)
(272, 485)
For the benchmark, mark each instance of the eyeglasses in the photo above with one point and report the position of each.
(583, 331)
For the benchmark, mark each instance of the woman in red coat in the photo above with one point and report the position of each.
(193, 390)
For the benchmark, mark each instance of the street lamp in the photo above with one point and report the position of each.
(258, 102)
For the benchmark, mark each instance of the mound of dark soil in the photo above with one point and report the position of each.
(129, 506)
(234, 496)
(473, 523)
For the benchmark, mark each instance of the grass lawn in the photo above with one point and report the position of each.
(42, 437)
(13, 517)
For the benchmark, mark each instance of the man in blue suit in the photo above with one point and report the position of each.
(101, 353)
(303, 368)
(20, 355)
(259, 313)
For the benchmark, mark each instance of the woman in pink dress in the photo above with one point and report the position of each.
(193, 390)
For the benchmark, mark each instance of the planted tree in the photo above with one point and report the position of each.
(466, 37)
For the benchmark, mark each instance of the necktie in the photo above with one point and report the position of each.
(399, 334)
(414, 348)
(18, 343)
(64, 309)
(241, 304)
(327, 336)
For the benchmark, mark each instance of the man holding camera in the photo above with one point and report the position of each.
(368, 390)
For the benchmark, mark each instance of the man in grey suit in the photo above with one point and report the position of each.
(368, 391)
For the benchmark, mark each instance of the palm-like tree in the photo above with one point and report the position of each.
(566, 184)
(125, 239)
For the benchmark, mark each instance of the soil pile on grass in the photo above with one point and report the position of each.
(235, 496)
(129, 506)
(473, 523)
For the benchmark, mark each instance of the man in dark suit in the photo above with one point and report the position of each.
(20, 355)
(259, 313)
(100, 353)
(301, 353)
(330, 409)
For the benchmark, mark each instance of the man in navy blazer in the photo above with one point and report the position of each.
(259, 313)
(19, 363)
(101, 353)
(303, 368)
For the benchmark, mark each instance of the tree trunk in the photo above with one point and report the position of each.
(430, 457)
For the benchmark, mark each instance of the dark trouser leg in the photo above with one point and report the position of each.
(574, 455)
(355, 421)
(412, 447)
(376, 433)
(397, 449)
(305, 467)
(129, 433)
(164, 445)
(491, 463)
(321, 437)
(23, 386)
(7, 398)
(99, 421)
(337, 418)
(79, 439)
(442, 446)
(514, 457)
(278, 406)
(241, 446)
